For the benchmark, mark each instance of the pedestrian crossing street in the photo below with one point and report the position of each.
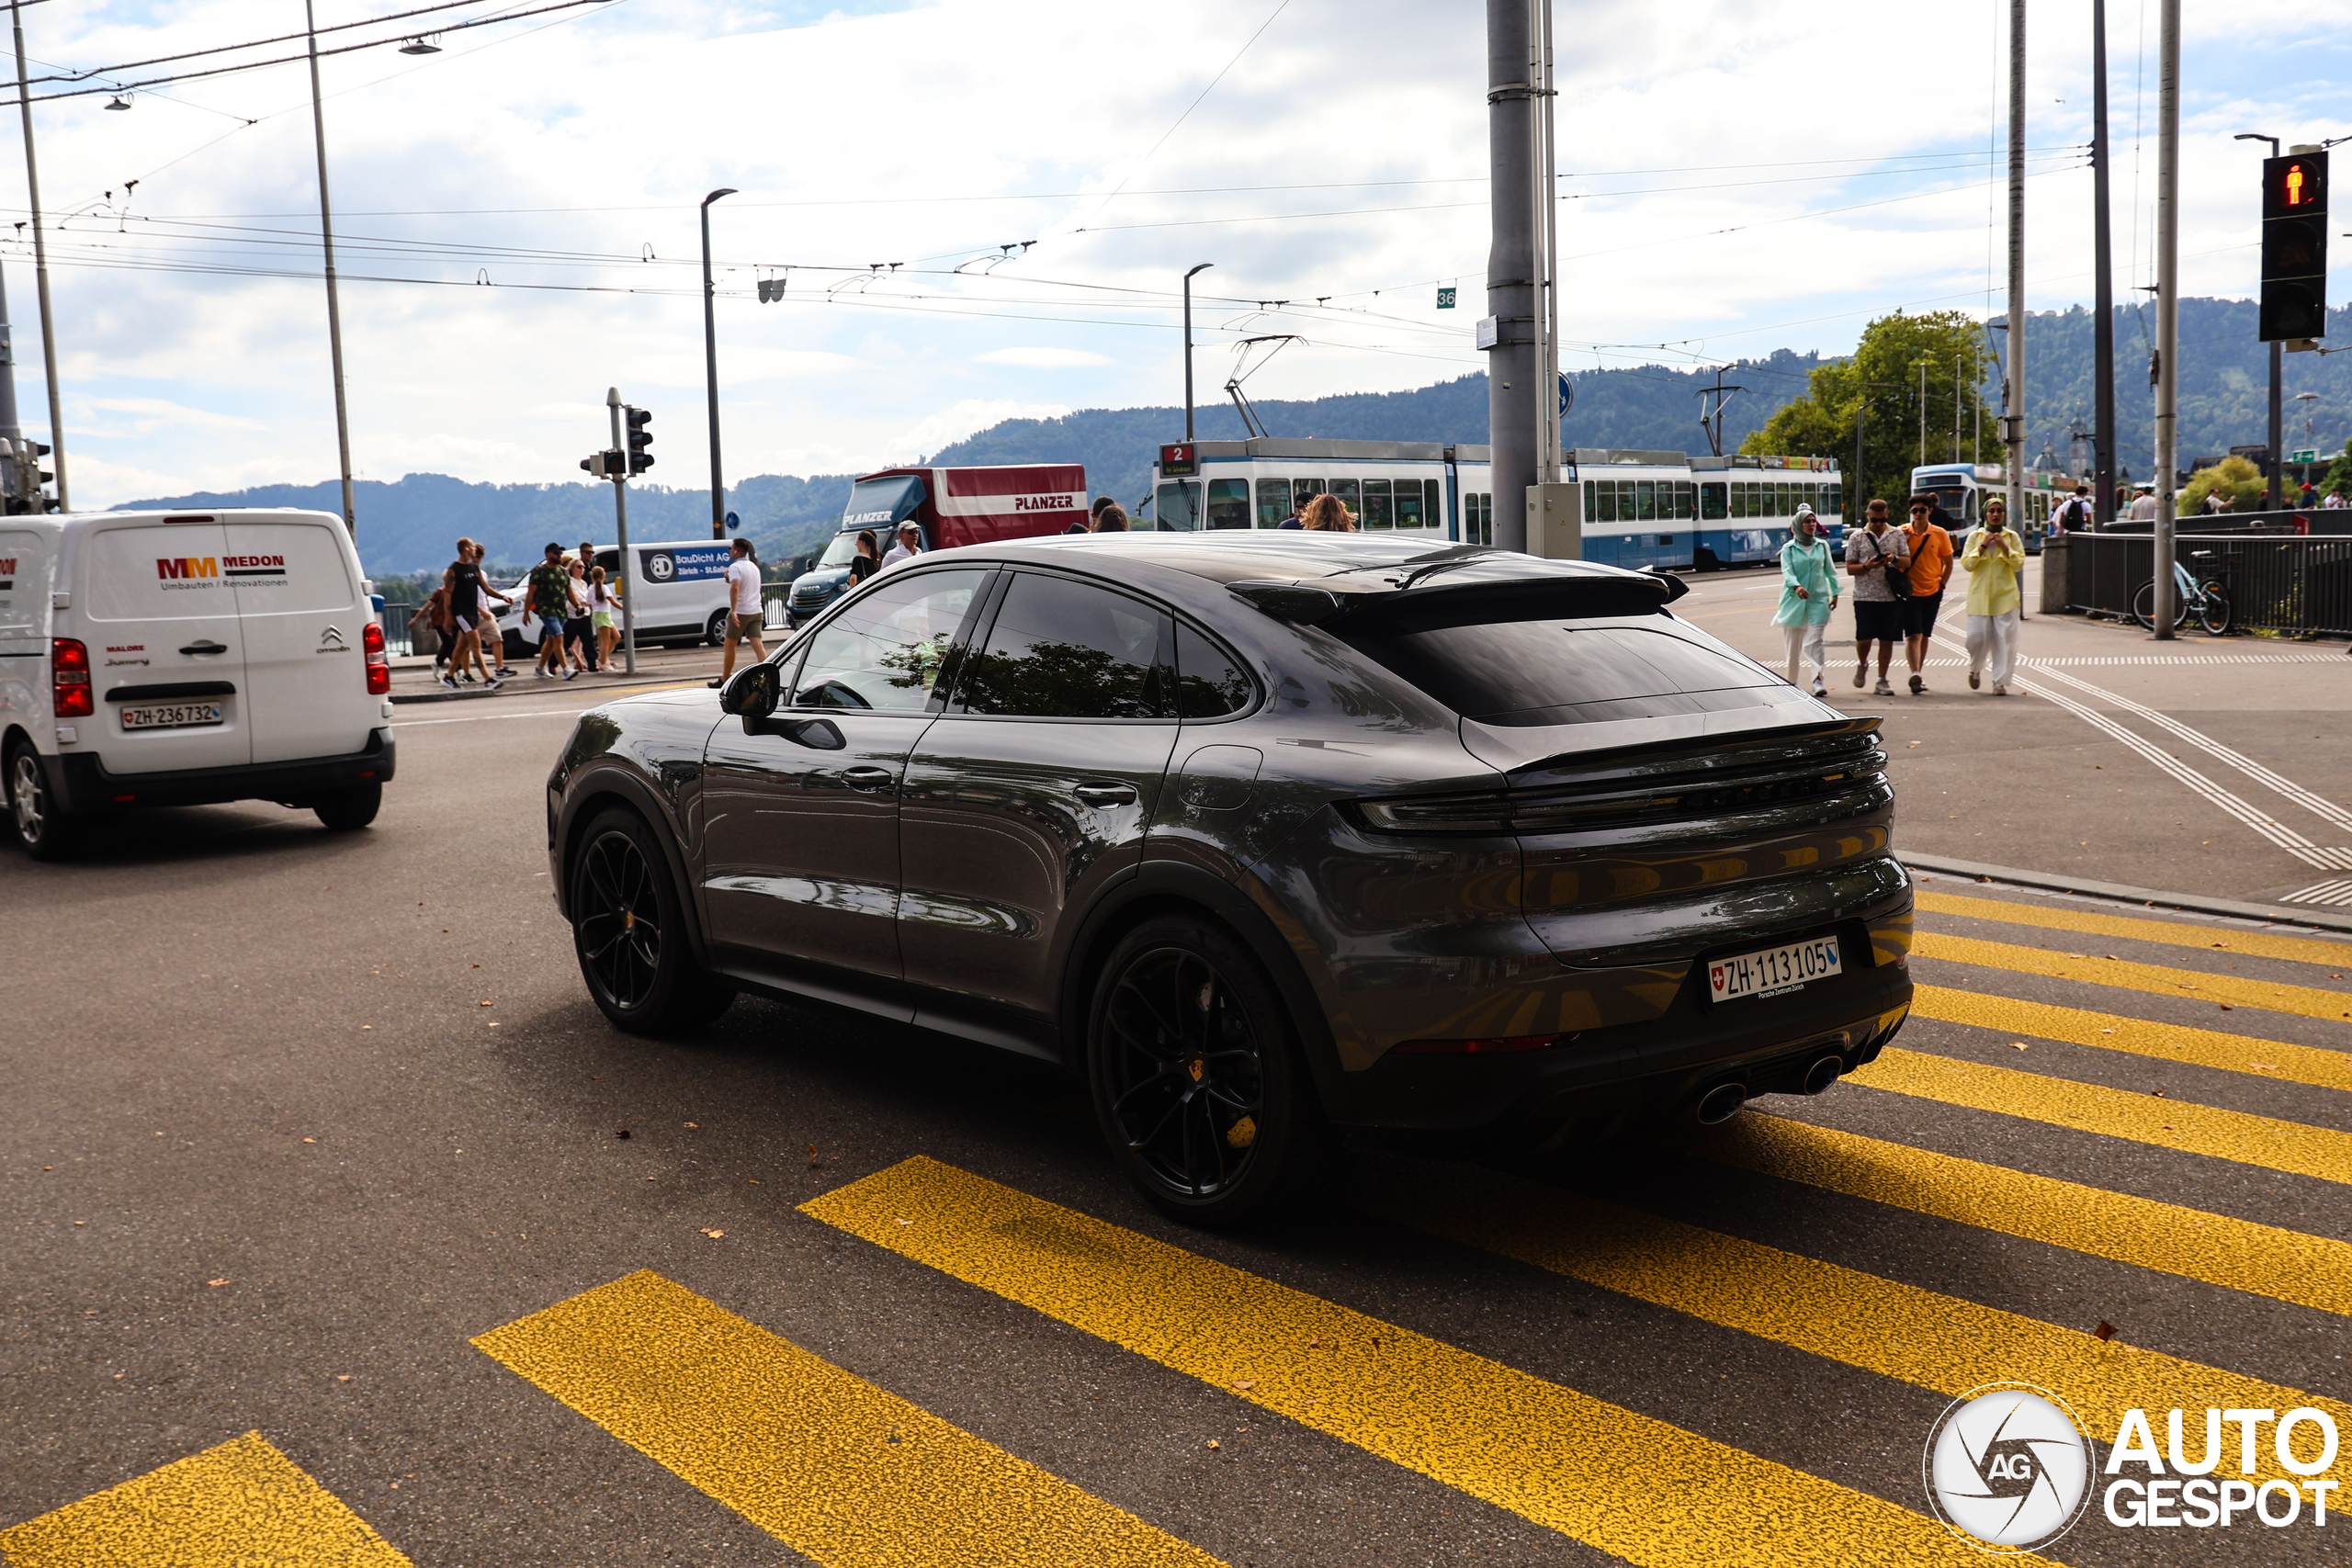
(850, 1474)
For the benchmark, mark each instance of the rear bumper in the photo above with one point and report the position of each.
(79, 781)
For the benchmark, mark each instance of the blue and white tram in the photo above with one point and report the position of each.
(1963, 488)
(1404, 487)
(1666, 509)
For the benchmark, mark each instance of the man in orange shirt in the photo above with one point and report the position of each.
(1930, 549)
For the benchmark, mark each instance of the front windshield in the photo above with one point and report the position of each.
(842, 551)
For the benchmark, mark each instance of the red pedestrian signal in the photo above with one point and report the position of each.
(2294, 247)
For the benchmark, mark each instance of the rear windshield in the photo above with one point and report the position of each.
(1561, 672)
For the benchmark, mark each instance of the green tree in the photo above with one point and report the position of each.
(1882, 383)
(2241, 484)
(2338, 475)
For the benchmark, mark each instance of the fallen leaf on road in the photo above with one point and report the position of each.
(485, 1004)
(2017, 1045)
(367, 1026)
(343, 1376)
(216, 1281)
(694, 1124)
(2264, 1067)
(2158, 1092)
(622, 1134)
(2104, 1331)
(2226, 1008)
(309, 1140)
(1244, 1383)
(1213, 1442)
(814, 1159)
(714, 1234)
(2111, 958)
(901, 1220)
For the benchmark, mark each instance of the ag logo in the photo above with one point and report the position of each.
(2008, 1467)
(661, 565)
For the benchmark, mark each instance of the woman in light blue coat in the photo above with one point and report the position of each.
(1808, 594)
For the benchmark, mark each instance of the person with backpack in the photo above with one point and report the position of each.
(1878, 558)
(1808, 598)
(2076, 516)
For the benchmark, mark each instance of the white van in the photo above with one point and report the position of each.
(181, 658)
(680, 591)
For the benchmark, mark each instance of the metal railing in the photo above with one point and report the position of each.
(2298, 586)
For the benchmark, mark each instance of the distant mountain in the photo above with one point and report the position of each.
(410, 526)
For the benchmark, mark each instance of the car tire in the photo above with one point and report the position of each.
(44, 828)
(713, 631)
(351, 808)
(620, 890)
(1196, 1077)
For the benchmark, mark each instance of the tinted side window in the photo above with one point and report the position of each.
(1209, 683)
(1064, 650)
(884, 653)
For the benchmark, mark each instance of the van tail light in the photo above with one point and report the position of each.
(379, 672)
(69, 674)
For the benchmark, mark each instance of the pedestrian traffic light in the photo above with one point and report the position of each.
(605, 465)
(639, 438)
(2294, 247)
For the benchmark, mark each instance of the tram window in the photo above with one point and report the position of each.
(1409, 513)
(1711, 503)
(1604, 501)
(1376, 504)
(1738, 500)
(1178, 505)
(1685, 500)
(1229, 503)
(1302, 491)
(1350, 496)
(1273, 502)
(1645, 500)
(1432, 504)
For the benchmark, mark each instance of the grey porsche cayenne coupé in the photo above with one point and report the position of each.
(1272, 837)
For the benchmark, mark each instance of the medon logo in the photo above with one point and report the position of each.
(2008, 1467)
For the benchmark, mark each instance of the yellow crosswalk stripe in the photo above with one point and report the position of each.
(2091, 922)
(836, 1468)
(2194, 985)
(241, 1505)
(2117, 1113)
(2114, 1032)
(1625, 1483)
(2239, 1255)
(1921, 1336)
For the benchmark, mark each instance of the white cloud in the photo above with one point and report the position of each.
(1745, 184)
(1040, 357)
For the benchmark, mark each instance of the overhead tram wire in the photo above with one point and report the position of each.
(65, 74)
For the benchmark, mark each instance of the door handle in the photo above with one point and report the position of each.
(1108, 794)
(205, 647)
(865, 778)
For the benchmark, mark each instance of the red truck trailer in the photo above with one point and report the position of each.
(952, 506)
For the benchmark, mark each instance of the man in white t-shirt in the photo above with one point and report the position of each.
(745, 616)
(2143, 508)
(909, 545)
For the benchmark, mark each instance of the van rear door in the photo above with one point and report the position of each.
(305, 676)
(167, 657)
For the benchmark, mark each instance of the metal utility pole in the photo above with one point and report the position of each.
(2167, 305)
(1188, 348)
(40, 264)
(1543, 177)
(2103, 288)
(1923, 413)
(1955, 408)
(334, 308)
(620, 521)
(710, 377)
(1711, 409)
(1517, 396)
(2013, 416)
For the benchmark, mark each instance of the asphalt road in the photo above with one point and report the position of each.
(295, 1119)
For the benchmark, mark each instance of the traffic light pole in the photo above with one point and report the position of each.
(2167, 411)
(2103, 299)
(620, 521)
(334, 311)
(40, 270)
(2013, 425)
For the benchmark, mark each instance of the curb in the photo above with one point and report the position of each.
(516, 687)
(2273, 914)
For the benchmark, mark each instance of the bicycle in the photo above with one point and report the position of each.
(2209, 601)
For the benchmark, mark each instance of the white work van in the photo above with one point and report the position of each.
(181, 658)
(680, 588)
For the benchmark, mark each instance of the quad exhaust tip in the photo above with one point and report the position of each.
(1822, 1073)
(1721, 1103)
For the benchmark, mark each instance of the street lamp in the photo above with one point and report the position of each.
(1188, 348)
(710, 369)
(2311, 433)
(2277, 452)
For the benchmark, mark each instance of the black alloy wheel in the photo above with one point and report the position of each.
(628, 928)
(1197, 1085)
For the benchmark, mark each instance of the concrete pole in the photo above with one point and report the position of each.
(1515, 398)
(620, 521)
(1544, 205)
(2014, 430)
(41, 275)
(2103, 288)
(2167, 304)
(334, 309)
(710, 377)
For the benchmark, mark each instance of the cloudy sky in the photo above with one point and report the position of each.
(518, 213)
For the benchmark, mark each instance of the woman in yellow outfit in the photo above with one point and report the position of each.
(1994, 562)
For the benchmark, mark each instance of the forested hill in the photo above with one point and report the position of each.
(408, 525)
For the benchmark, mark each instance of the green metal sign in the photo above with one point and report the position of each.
(1445, 298)
(2307, 454)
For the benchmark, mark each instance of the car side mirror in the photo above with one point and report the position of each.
(752, 695)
